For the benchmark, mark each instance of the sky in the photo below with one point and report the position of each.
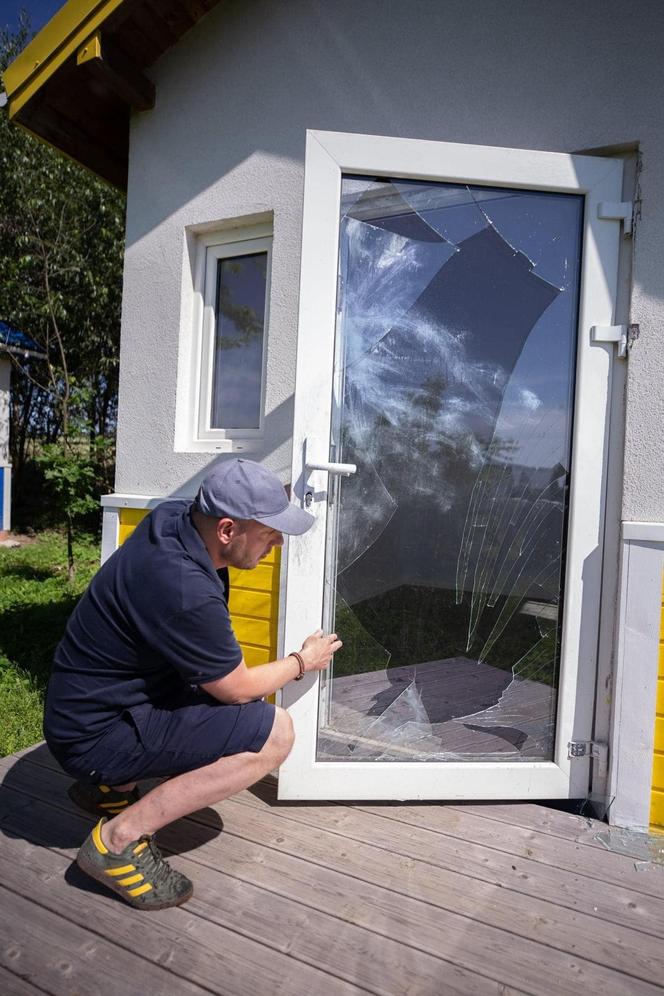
(40, 12)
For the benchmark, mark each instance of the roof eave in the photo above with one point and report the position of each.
(79, 80)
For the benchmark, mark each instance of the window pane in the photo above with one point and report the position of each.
(457, 327)
(238, 342)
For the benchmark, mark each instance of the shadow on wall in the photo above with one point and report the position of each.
(266, 72)
(278, 423)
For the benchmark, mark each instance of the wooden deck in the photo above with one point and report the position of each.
(329, 899)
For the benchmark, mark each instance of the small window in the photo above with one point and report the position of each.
(238, 341)
(232, 371)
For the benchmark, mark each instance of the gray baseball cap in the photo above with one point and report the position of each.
(243, 489)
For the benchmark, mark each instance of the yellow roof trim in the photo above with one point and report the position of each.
(67, 30)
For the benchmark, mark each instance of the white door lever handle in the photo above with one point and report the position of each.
(343, 469)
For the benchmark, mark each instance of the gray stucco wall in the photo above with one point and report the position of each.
(227, 136)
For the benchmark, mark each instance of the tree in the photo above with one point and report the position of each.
(61, 249)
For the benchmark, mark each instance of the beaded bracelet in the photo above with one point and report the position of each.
(300, 661)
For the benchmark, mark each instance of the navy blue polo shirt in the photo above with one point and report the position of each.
(153, 621)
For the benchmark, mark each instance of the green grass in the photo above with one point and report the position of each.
(35, 602)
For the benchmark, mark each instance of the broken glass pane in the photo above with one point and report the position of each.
(456, 332)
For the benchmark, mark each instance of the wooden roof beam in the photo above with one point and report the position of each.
(66, 135)
(114, 70)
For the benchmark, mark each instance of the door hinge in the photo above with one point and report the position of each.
(611, 333)
(588, 748)
(617, 211)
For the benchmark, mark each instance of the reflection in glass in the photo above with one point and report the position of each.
(456, 334)
(238, 343)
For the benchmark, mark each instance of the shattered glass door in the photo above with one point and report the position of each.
(454, 384)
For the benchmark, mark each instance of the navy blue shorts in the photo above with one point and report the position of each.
(150, 741)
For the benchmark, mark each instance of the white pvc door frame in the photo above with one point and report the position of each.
(328, 156)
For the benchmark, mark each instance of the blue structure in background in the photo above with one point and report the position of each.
(12, 342)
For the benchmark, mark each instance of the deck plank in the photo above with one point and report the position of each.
(642, 911)
(476, 945)
(14, 985)
(557, 852)
(620, 904)
(340, 898)
(47, 948)
(214, 957)
(327, 938)
(225, 905)
(531, 816)
(441, 923)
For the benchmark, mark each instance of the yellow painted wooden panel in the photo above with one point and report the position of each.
(657, 809)
(256, 655)
(660, 701)
(659, 732)
(129, 519)
(265, 577)
(657, 795)
(255, 631)
(658, 772)
(251, 603)
(273, 557)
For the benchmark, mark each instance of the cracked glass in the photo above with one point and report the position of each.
(454, 383)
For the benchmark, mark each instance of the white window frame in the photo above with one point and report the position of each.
(329, 155)
(193, 432)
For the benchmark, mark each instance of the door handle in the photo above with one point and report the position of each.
(342, 469)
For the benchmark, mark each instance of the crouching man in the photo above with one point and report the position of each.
(149, 680)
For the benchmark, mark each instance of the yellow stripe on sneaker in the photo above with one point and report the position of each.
(120, 871)
(97, 841)
(103, 788)
(114, 805)
(140, 847)
(140, 889)
(132, 880)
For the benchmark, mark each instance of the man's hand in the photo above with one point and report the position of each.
(317, 650)
(247, 683)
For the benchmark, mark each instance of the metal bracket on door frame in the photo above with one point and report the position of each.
(611, 333)
(598, 750)
(617, 211)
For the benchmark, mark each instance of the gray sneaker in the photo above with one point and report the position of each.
(139, 873)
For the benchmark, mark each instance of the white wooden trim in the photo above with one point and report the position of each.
(635, 683)
(111, 506)
(652, 532)
(198, 239)
(235, 235)
(6, 496)
(608, 631)
(328, 155)
(134, 501)
(216, 251)
(378, 155)
(109, 532)
(580, 636)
